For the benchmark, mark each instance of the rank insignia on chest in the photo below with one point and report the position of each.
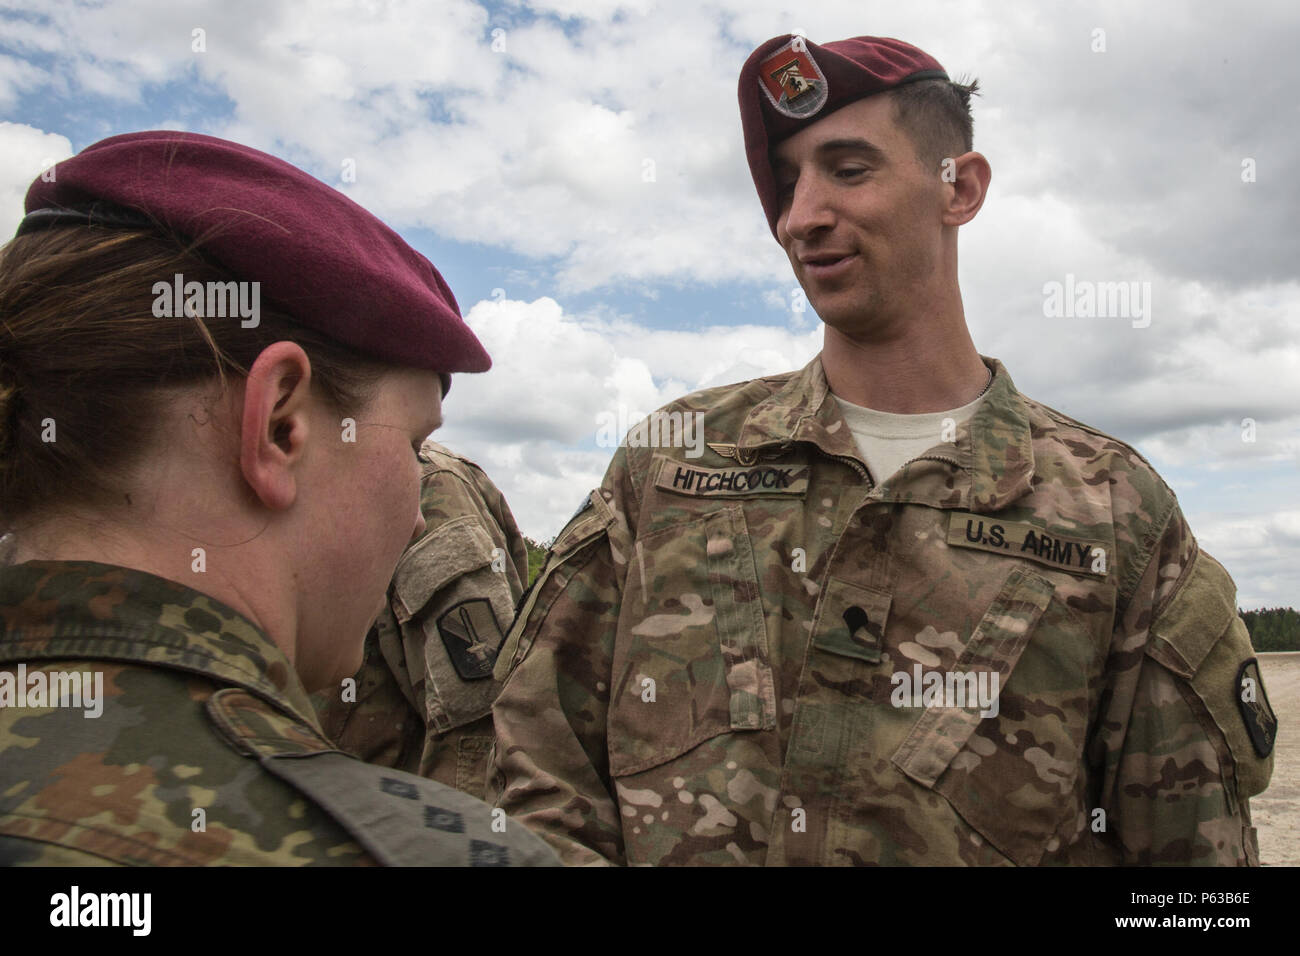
(1021, 539)
(740, 481)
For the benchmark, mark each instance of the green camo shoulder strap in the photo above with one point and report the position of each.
(400, 819)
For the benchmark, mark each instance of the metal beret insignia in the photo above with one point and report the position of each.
(793, 82)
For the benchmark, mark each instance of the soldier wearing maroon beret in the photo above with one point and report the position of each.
(216, 373)
(898, 613)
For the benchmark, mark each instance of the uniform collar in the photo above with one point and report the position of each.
(988, 465)
(91, 611)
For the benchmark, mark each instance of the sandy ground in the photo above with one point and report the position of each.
(1276, 811)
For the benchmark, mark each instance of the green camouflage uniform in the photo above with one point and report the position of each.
(206, 751)
(423, 697)
(704, 671)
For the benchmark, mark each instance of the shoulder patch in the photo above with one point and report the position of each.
(472, 635)
(1260, 720)
(1020, 539)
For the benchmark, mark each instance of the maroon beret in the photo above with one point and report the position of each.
(790, 82)
(319, 257)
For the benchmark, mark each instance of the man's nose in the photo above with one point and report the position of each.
(809, 209)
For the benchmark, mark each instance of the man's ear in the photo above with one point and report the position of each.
(969, 187)
(273, 429)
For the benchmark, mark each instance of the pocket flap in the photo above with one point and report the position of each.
(454, 549)
(994, 649)
(1185, 632)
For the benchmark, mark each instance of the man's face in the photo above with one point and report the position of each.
(860, 217)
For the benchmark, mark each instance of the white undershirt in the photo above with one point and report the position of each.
(887, 441)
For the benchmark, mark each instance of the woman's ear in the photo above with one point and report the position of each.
(273, 429)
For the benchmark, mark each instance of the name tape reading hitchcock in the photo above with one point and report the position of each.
(773, 479)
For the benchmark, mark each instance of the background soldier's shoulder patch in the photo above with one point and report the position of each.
(1260, 720)
(472, 635)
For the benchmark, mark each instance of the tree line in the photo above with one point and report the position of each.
(1273, 628)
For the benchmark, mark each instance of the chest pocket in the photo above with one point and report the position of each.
(692, 659)
(1014, 776)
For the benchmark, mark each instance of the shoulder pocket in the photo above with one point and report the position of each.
(456, 548)
(1200, 638)
(590, 522)
(451, 611)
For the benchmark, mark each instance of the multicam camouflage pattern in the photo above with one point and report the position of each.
(201, 713)
(705, 674)
(424, 693)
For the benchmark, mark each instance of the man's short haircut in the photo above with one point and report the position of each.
(935, 114)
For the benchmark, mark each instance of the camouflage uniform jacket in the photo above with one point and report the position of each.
(422, 700)
(714, 665)
(205, 748)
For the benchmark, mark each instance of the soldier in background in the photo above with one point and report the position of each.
(422, 701)
(216, 373)
(899, 613)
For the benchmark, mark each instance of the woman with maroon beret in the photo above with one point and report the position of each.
(215, 375)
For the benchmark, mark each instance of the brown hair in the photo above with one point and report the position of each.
(936, 116)
(80, 347)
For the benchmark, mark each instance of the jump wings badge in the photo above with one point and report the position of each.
(793, 82)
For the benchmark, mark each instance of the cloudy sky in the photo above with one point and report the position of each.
(575, 170)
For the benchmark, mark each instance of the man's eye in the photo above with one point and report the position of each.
(848, 172)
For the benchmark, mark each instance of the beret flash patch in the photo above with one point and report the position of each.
(1261, 722)
(793, 82)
